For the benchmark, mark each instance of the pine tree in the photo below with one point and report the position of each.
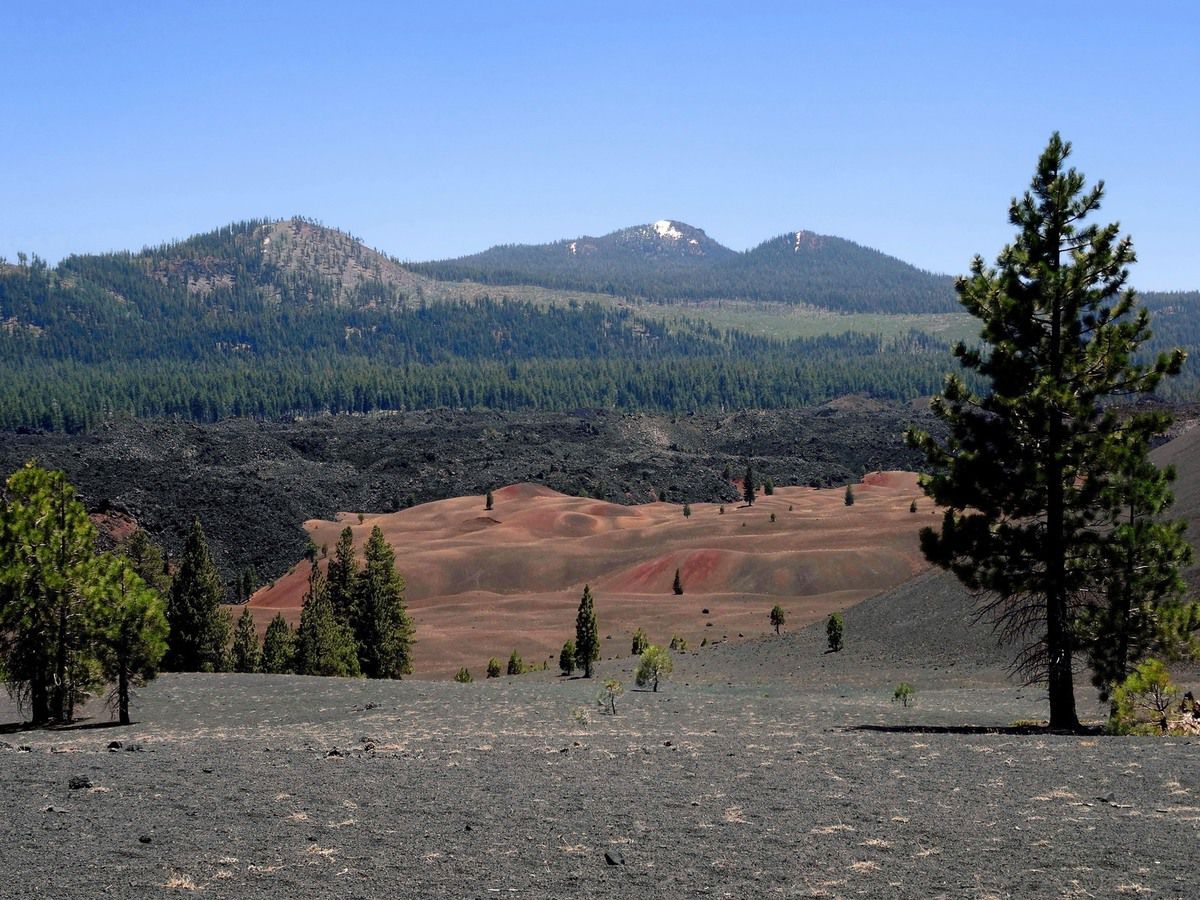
(748, 486)
(47, 573)
(246, 655)
(147, 560)
(654, 666)
(493, 668)
(324, 646)
(848, 498)
(778, 617)
(835, 629)
(342, 572)
(279, 647)
(489, 501)
(516, 666)
(133, 631)
(566, 659)
(677, 585)
(199, 626)
(1028, 471)
(381, 624)
(587, 635)
(1140, 612)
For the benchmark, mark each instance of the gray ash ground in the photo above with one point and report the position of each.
(253, 484)
(764, 768)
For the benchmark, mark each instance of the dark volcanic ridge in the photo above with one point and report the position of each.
(253, 484)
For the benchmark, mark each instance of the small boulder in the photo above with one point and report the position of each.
(79, 782)
(614, 857)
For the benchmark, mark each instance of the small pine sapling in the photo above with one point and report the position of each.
(608, 695)
(835, 630)
(677, 586)
(566, 659)
(678, 644)
(463, 676)
(516, 665)
(849, 498)
(654, 666)
(778, 617)
(489, 501)
(1142, 702)
(493, 668)
(687, 510)
(641, 641)
(904, 694)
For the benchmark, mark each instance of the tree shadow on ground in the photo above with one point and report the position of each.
(84, 725)
(972, 729)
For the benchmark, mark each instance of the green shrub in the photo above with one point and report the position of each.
(463, 676)
(515, 665)
(493, 668)
(678, 644)
(904, 693)
(778, 617)
(641, 641)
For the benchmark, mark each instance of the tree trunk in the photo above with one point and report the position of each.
(123, 695)
(39, 700)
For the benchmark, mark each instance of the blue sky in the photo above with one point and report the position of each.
(433, 132)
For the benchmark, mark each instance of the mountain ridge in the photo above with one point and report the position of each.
(669, 260)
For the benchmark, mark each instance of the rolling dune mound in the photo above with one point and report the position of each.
(483, 582)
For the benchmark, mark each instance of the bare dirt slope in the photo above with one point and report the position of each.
(482, 583)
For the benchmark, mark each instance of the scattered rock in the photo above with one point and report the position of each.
(24, 748)
(614, 857)
(144, 839)
(114, 746)
(79, 782)
(334, 753)
(134, 748)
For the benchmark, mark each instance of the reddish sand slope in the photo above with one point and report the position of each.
(481, 583)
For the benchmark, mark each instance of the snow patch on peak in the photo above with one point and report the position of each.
(799, 238)
(666, 228)
(571, 246)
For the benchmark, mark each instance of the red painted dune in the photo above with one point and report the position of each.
(481, 583)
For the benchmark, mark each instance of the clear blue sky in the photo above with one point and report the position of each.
(434, 130)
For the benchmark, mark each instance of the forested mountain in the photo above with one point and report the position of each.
(284, 319)
(672, 261)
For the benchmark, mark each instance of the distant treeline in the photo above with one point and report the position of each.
(207, 329)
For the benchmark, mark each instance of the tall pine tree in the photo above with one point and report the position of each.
(381, 624)
(587, 635)
(324, 646)
(199, 626)
(246, 654)
(1028, 471)
(342, 572)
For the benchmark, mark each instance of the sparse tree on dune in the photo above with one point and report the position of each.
(748, 486)
(587, 635)
(566, 659)
(835, 629)
(493, 668)
(677, 585)
(778, 617)
(641, 641)
(654, 666)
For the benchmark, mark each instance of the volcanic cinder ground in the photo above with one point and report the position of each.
(482, 583)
